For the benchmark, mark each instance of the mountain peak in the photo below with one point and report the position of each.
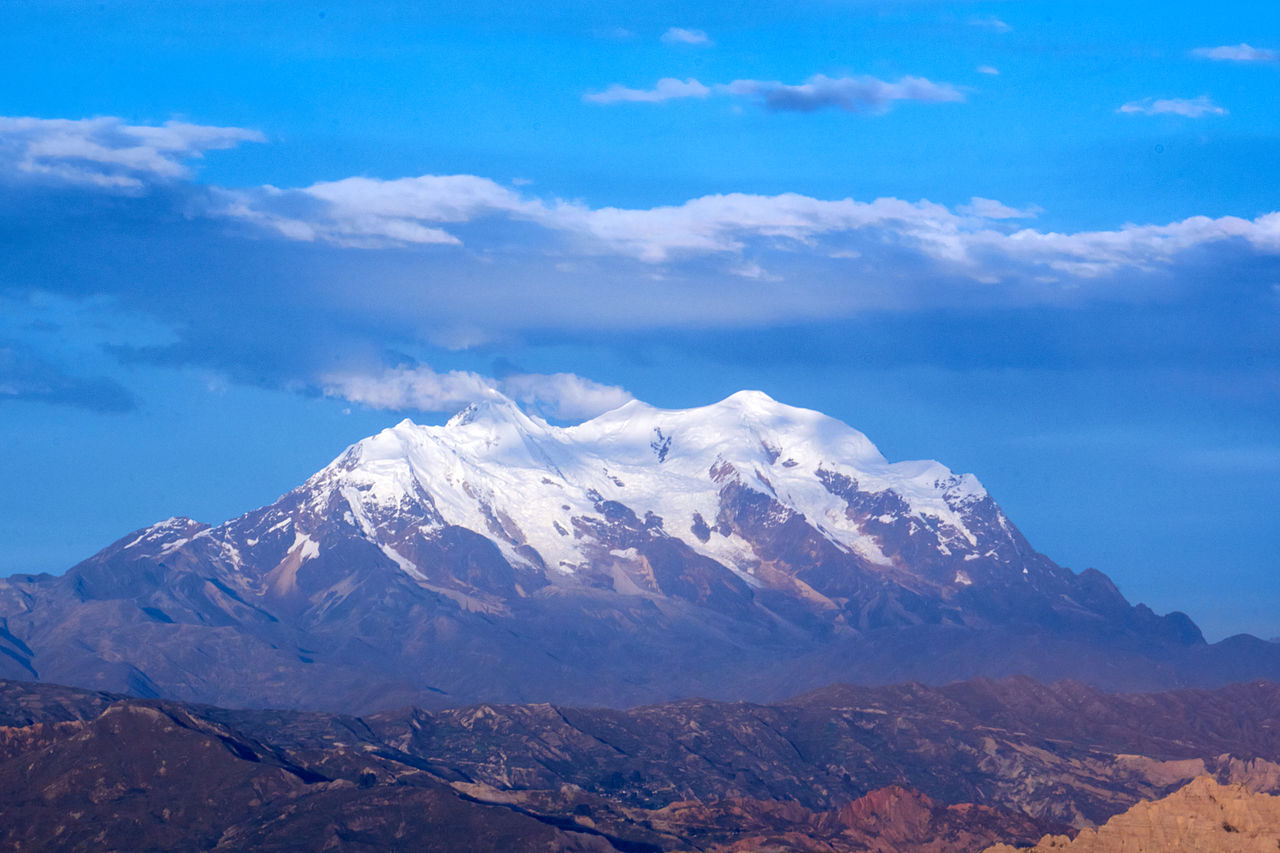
(539, 488)
(759, 405)
(497, 409)
(751, 397)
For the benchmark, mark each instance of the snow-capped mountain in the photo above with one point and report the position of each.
(738, 483)
(566, 505)
(530, 486)
(746, 548)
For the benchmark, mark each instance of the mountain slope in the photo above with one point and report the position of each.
(746, 549)
(137, 776)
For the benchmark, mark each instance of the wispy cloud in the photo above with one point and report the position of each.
(108, 152)
(853, 94)
(370, 213)
(1238, 53)
(718, 224)
(681, 35)
(991, 22)
(563, 396)
(410, 388)
(988, 69)
(364, 212)
(989, 208)
(1189, 107)
(614, 33)
(666, 89)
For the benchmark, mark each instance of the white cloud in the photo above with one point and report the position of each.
(680, 35)
(107, 152)
(972, 240)
(411, 388)
(1189, 107)
(371, 213)
(1139, 247)
(563, 396)
(668, 88)
(368, 213)
(988, 69)
(1238, 53)
(723, 223)
(853, 94)
(774, 247)
(989, 208)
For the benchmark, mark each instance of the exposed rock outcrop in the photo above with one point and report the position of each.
(1202, 817)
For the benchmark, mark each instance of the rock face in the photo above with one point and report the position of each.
(843, 769)
(1203, 816)
(887, 820)
(742, 550)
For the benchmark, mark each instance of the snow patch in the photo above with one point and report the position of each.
(406, 565)
(307, 548)
(174, 545)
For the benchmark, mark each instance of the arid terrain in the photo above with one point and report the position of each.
(1202, 816)
(898, 768)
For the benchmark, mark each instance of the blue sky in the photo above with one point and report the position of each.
(1033, 240)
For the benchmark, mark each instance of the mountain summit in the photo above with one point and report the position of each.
(742, 549)
(535, 490)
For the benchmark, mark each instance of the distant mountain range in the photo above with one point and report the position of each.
(844, 769)
(747, 549)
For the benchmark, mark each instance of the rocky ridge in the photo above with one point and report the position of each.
(844, 769)
(769, 549)
(1203, 816)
